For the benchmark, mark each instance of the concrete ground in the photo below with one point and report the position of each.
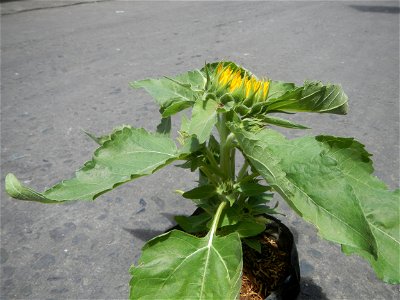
(67, 68)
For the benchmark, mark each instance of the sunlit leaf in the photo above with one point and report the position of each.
(312, 97)
(177, 265)
(174, 94)
(128, 154)
(204, 117)
(328, 181)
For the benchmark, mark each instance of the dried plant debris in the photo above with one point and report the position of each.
(263, 272)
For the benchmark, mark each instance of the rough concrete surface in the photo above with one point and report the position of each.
(67, 68)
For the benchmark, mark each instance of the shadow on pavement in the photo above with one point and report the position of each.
(310, 291)
(143, 234)
(377, 9)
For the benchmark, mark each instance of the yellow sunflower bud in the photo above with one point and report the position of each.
(243, 87)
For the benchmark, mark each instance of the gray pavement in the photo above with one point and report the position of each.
(67, 68)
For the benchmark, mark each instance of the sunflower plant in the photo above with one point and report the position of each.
(327, 180)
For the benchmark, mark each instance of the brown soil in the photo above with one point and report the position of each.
(263, 272)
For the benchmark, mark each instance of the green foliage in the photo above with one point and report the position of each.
(204, 118)
(326, 180)
(167, 91)
(312, 97)
(193, 224)
(128, 154)
(177, 265)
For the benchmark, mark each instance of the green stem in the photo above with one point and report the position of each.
(225, 155)
(223, 134)
(232, 163)
(209, 175)
(243, 169)
(213, 163)
(216, 219)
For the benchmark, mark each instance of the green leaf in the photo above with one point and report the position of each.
(128, 154)
(328, 181)
(177, 265)
(380, 205)
(16, 190)
(260, 199)
(312, 97)
(279, 88)
(245, 228)
(185, 124)
(165, 126)
(281, 122)
(175, 106)
(253, 243)
(230, 216)
(191, 145)
(192, 224)
(183, 88)
(252, 188)
(201, 192)
(257, 205)
(204, 117)
(102, 139)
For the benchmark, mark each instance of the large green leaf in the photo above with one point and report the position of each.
(312, 97)
(328, 181)
(128, 154)
(177, 265)
(174, 94)
(380, 206)
(204, 117)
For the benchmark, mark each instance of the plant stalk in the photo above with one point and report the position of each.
(217, 217)
(232, 163)
(243, 169)
(211, 177)
(226, 142)
(213, 163)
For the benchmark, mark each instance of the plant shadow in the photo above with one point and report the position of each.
(143, 234)
(377, 9)
(310, 291)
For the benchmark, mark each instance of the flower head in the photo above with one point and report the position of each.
(241, 84)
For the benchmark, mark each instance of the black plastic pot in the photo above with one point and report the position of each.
(289, 288)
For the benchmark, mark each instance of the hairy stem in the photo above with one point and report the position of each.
(217, 217)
